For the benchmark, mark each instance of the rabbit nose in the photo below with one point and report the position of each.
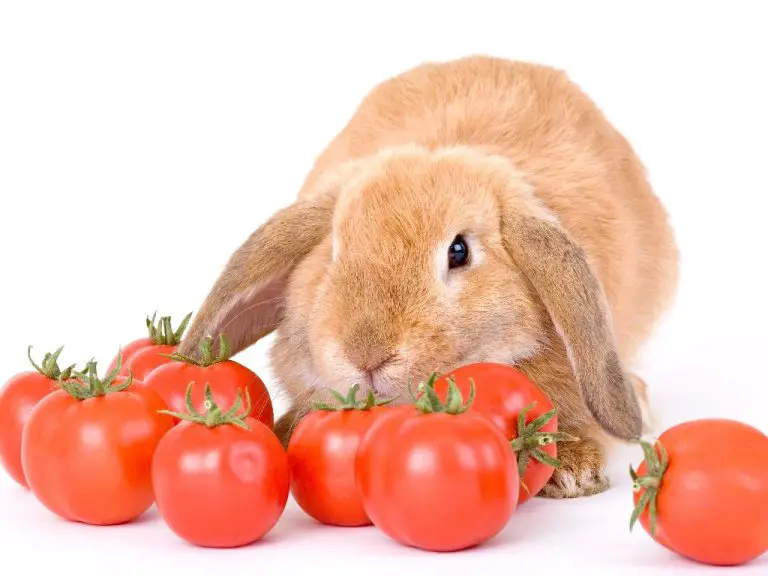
(367, 348)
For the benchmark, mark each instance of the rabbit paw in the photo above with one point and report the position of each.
(581, 472)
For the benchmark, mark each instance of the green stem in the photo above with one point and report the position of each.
(656, 463)
(428, 402)
(530, 439)
(162, 333)
(207, 357)
(49, 367)
(92, 386)
(350, 401)
(213, 416)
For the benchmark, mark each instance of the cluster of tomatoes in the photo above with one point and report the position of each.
(436, 472)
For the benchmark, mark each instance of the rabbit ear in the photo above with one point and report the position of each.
(559, 272)
(246, 302)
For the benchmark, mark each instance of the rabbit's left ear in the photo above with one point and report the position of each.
(246, 302)
(572, 295)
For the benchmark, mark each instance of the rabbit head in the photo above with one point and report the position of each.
(411, 261)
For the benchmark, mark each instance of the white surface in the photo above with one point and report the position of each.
(141, 142)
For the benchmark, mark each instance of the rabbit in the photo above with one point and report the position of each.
(472, 210)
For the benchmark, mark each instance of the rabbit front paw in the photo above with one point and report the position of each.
(581, 472)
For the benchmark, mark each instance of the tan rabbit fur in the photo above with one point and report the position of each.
(572, 259)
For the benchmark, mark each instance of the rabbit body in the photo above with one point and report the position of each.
(572, 259)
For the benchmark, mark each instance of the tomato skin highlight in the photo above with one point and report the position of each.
(17, 399)
(220, 487)
(438, 482)
(226, 378)
(502, 392)
(90, 460)
(713, 500)
(321, 456)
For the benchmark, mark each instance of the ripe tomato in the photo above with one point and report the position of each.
(321, 456)
(702, 492)
(87, 449)
(437, 477)
(17, 398)
(220, 479)
(521, 410)
(226, 377)
(161, 340)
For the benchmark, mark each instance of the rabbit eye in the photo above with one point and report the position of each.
(458, 253)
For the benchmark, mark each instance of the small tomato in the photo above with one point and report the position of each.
(437, 477)
(221, 480)
(143, 355)
(87, 448)
(702, 491)
(226, 377)
(321, 456)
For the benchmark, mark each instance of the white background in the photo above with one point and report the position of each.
(141, 142)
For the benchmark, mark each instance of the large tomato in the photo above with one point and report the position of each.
(521, 410)
(17, 399)
(702, 492)
(87, 448)
(321, 456)
(143, 355)
(436, 476)
(220, 479)
(226, 377)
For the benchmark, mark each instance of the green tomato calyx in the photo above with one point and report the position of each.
(351, 402)
(656, 463)
(427, 401)
(530, 439)
(163, 334)
(87, 383)
(49, 367)
(207, 357)
(213, 415)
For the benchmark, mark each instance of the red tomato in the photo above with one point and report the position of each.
(226, 377)
(220, 480)
(321, 456)
(503, 395)
(437, 477)
(703, 491)
(146, 360)
(161, 338)
(17, 399)
(87, 449)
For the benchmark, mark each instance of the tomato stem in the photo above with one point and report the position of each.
(94, 386)
(213, 416)
(350, 401)
(163, 333)
(428, 402)
(49, 367)
(656, 463)
(530, 439)
(207, 357)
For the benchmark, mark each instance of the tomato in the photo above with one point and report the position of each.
(437, 476)
(702, 491)
(146, 360)
(226, 377)
(87, 448)
(221, 480)
(522, 412)
(161, 340)
(17, 398)
(321, 456)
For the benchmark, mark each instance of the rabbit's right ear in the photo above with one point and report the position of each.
(246, 302)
